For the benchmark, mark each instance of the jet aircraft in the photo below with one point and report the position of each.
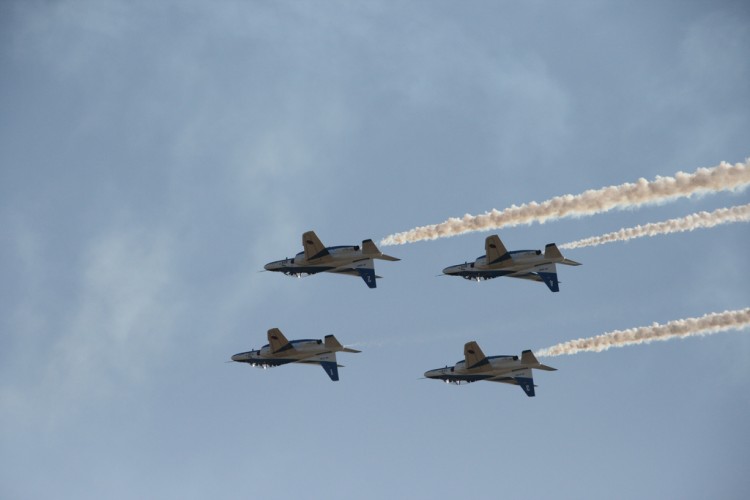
(349, 260)
(506, 369)
(525, 264)
(280, 351)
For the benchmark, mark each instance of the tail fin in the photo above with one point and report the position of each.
(314, 249)
(331, 368)
(553, 253)
(369, 249)
(495, 250)
(333, 344)
(368, 275)
(548, 273)
(278, 341)
(525, 379)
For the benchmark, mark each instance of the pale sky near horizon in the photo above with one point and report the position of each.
(155, 155)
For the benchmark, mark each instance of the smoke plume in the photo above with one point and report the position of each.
(629, 195)
(700, 220)
(681, 328)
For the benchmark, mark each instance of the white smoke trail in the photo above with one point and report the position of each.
(721, 177)
(681, 328)
(700, 220)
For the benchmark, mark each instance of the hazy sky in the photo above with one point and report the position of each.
(155, 155)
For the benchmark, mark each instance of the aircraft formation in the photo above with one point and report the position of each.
(358, 261)
(534, 265)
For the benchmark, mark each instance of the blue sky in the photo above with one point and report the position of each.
(155, 155)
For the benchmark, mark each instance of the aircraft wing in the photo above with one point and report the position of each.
(545, 274)
(363, 268)
(495, 250)
(522, 378)
(327, 361)
(504, 379)
(314, 249)
(349, 271)
(525, 276)
(278, 341)
(474, 356)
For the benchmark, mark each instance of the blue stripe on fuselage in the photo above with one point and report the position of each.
(303, 269)
(267, 361)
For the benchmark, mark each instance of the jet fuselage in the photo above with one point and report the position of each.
(497, 261)
(281, 351)
(459, 373)
(301, 349)
(504, 369)
(299, 265)
(350, 260)
(520, 260)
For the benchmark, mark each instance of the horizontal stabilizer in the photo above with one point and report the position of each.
(383, 256)
(369, 249)
(569, 262)
(333, 344)
(528, 359)
(551, 252)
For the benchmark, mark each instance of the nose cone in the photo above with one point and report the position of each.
(271, 266)
(430, 373)
(239, 357)
(451, 269)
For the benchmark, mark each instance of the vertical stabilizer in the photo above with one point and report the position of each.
(331, 368)
(525, 379)
(548, 273)
(366, 270)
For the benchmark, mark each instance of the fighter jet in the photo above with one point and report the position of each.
(506, 369)
(349, 260)
(279, 351)
(525, 264)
